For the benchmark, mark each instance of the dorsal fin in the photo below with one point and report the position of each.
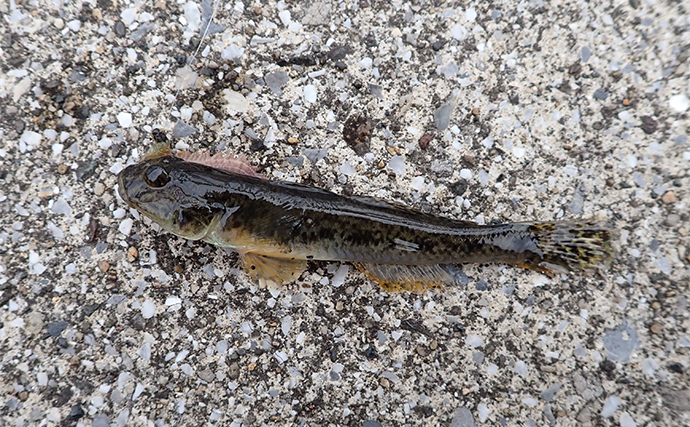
(226, 162)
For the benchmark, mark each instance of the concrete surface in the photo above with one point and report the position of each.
(482, 110)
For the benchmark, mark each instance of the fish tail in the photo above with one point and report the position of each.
(577, 245)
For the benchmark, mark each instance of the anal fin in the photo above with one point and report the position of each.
(410, 278)
(273, 270)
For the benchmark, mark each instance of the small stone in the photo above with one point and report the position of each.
(339, 306)
(672, 220)
(103, 266)
(656, 328)
(62, 169)
(668, 197)
(292, 140)
(98, 189)
(132, 254)
(679, 103)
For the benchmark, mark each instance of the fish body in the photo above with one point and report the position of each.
(278, 226)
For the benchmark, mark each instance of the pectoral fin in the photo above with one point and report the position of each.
(269, 270)
(410, 278)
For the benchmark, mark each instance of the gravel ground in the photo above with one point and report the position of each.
(481, 110)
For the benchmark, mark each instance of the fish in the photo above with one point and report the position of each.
(277, 227)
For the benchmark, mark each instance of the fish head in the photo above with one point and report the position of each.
(169, 196)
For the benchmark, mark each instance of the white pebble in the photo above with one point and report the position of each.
(340, 274)
(679, 103)
(125, 119)
(193, 15)
(366, 62)
(285, 18)
(611, 406)
(471, 14)
(137, 391)
(474, 341)
(465, 174)
(521, 368)
(235, 102)
(62, 207)
(483, 411)
(57, 148)
(519, 152)
(116, 168)
(529, 401)
(119, 213)
(74, 25)
(347, 169)
(31, 138)
(172, 301)
(310, 93)
(246, 327)
(570, 170)
(105, 143)
(417, 183)
(148, 309)
(397, 165)
(126, 226)
(280, 356)
(42, 379)
(458, 32)
(128, 15)
(627, 420)
(231, 52)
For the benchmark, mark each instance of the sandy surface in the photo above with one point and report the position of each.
(481, 110)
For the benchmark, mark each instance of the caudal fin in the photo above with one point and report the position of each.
(572, 245)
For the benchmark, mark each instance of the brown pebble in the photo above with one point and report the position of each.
(103, 266)
(610, 182)
(251, 366)
(383, 382)
(382, 165)
(425, 140)
(179, 269)
(656, 305)
(668, 197)
(132, 254)
(293, 140)
(475, 111)
(391, 150)
(671, 293)
(433, 345)
(62, 169)
(626, 102)
(422, 351)
(23, 395)
(656, 328)
(339, 306)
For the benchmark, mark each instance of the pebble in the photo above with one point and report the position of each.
(611, 406)
(125, 119)
(62, 169)
(310, 93)
(668, 197)
(474, 341)
(679, 103)
(397, 165)
(656, 328)
(98, 189)
(462, 418)
(672, 220)
(103, 266)
(132, 254)
(620, 343)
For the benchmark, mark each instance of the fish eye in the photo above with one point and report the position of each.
(156, 177)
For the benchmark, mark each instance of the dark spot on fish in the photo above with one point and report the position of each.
(253, 267)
